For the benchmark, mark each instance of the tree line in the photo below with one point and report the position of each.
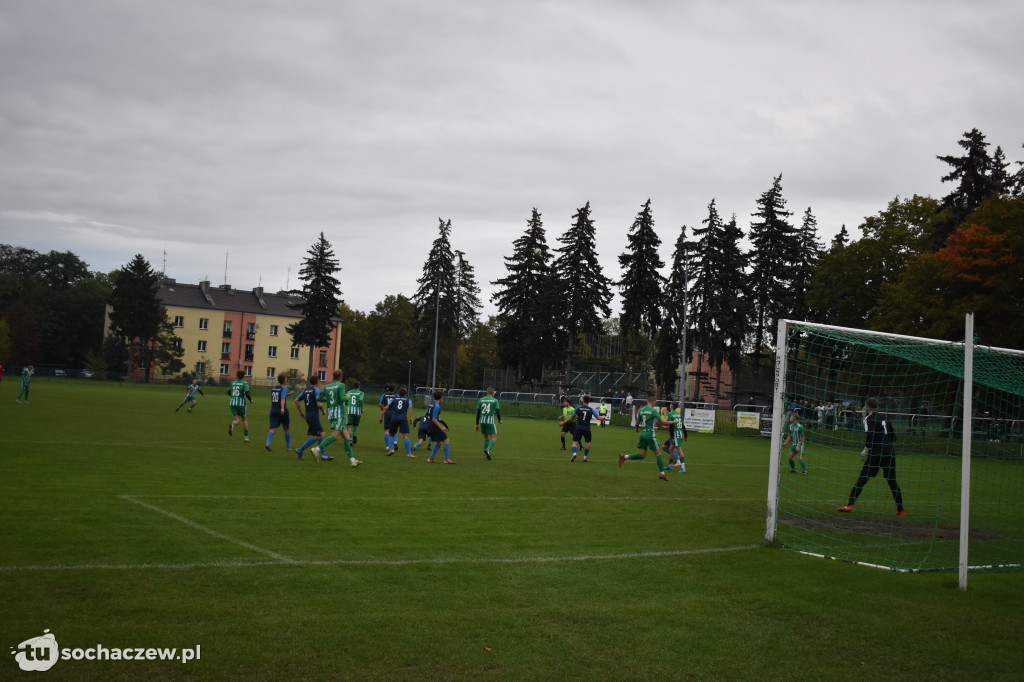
(918, 266)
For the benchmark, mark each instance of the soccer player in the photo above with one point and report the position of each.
(438, 432)
(566, 421)
(190, 396)
(307, 400)
(795, 439)
(279, 413)
(878, 453)
(355, 398)
(605, 410)
(385, 399)
(399, 409)
(646, 423)
(239, 392)
(677, 430)
(26, 378)
(337, 414)
(423, 433)
(583, 416)
(487, 409)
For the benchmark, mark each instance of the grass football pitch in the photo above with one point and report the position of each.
(127, 525)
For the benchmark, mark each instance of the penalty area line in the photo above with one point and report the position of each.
(389, 562)
(209, 531)
(454, 499)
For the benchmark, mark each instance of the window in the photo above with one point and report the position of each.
(250, 331)
(225, 347)
(248, 370)
(249, 350)
(177, 343)
(179, 321)
(271, 372)
(272, 352)
(202, 347)
(224, 369)
(295, 354)
(322, 374)
(323, 358)
(227, 328)
(204, 323)
(200, 368)
(273, 330)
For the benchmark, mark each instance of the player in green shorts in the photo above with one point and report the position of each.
(673, 421)
(190, 396)
(567, 422)
(795, 439)
(239, 392)
(487, 410)
(337, 414)
(355, 399)
(26, 378)
(647, 418)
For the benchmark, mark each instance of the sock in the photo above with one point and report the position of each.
(635, 455)
(489, 445)
(310, 441)
(563, 441)
(661, 464)
(246, 433)
(792, 467)
(437, 446)
(573, 451)
(417, 446)
(327, 441)
(408, 450)
(586, 453)
(446, 446)
(288, 441)
(355, 430)
(348, 448)
(270, 436)
(802, 465)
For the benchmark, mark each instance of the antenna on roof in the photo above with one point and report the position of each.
(288, 278)
(260, 281)
(164, 273)
(225, 267)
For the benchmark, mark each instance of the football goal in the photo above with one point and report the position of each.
(953, 429)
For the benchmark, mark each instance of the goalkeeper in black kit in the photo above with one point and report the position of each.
(878, 453)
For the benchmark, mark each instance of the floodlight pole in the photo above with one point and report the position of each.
(965, 441)
(408, 383)
(681, 393)
(437, 319)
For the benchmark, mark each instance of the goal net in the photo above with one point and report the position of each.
(824, 375)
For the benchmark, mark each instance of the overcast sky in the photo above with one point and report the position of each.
(208, 127)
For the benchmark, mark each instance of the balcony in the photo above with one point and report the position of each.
(250, 336)
(225, 356)
(227, 334)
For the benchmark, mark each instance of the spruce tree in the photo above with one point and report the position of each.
(526, 331)
(321, 298)
(805, 264)
(734, 323)
(466, 307)
(775, 246)
(841, 239)
(973, 173)
(1015, 183)
(435, 297)
(579, 285)
(640, 287)
(670, 351)
(136, 312)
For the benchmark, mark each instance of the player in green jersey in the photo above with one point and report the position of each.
(355, 399)
(673, 421)
(795, 439)
(337, 407)
(487, 410)
(239, 392)
(190, 396)
(566, 420)
(26, 377)
(647, 418)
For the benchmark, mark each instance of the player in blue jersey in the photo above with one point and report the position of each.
(584, 416)
(438, 432)
(307, 400)
(425, 425)
(399, 411)
(279, 413)
(385, 400)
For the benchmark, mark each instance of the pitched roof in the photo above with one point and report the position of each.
(224, 298)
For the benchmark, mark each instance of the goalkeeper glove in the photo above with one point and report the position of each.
(863, 454)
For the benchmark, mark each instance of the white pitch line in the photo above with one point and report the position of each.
(209, 531)
(387, 562)
(457, 499)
